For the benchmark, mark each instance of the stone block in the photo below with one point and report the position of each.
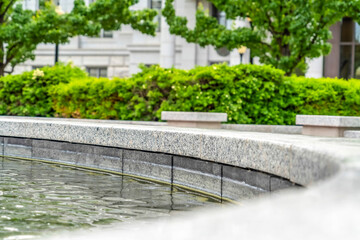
(107, 163)
(117, 61)
(238, 191)
(48, 144)
(79, 154)
(18, 141)
(263, 128)
(252, 178)
(197, 174)
(108, 151)
(197, 165)
(96, 61)
(279, 184)
(323, 131)
(17, 151)
(56, 155)
(327, 126)
(193, 116)
(17, 147)
(146, 164)
(1, 146)
(352, 134)
(327, 121)
(208, 125)
(194, 119)
(78, 148)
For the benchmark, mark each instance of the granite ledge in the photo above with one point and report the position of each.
(193, 116)
(328, 121)
(258, 151)
(352, 134)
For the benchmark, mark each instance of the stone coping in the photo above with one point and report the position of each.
(193, 116)
(263, 128)
(352, 134)
(300, 159)
(283, 129)
(328, 121)
(327, 210)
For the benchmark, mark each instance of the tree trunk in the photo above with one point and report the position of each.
(2, 69)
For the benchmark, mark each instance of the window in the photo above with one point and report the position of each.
(156, 5)
(106, 34)
(36, 67)
(219, 15)
(218, 62)
(349, 49)
(97, 71)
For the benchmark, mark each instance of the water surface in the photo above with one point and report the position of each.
(38, 198)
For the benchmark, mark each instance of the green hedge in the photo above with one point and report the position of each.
(326, 96)
(27, 94)
(248, 93)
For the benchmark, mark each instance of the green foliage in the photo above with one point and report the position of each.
(136, 98)
(281, 34)
(27, 94)
(249, 94)
(327, 96)
(22, 30)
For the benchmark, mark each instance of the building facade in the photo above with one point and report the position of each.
(119, 53)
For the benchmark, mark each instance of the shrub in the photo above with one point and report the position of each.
(136, 98)
(326, 96)
(249, 94)
(27, 94)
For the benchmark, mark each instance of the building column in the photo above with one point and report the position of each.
(167, 43)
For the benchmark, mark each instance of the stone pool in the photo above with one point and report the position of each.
(220, 162)
(38, 198)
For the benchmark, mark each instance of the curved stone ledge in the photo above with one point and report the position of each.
(329, 209)
(301, 159)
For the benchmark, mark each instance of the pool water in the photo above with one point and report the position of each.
(37, 199)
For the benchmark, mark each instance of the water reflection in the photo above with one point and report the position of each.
(36, 198)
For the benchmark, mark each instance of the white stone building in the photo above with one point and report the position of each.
(118, 53)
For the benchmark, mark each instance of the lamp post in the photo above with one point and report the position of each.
(251, 26)
(241, 51)
(59, 11)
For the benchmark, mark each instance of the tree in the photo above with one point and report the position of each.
(22, 30)
(282, 33)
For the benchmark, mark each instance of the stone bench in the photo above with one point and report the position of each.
(327, 126)
(352, 134)
(194, 119)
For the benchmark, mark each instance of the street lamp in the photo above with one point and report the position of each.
(59, 11)
(241, 51)
(251, 26)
